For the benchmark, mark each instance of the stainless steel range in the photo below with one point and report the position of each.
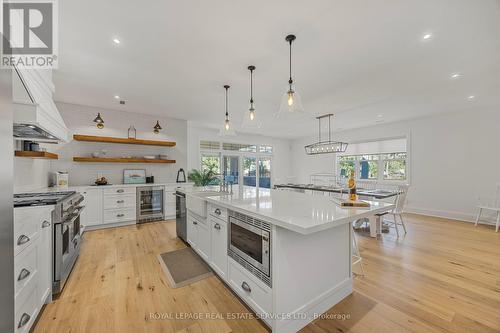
(66, 230)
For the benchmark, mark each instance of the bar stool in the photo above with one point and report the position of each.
(356, 254)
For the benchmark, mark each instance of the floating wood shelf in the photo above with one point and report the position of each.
(36, 154)
(119, 160)
(108, 139)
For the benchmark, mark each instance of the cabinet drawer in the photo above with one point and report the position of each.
(26, 311)
(119, 201)
(218, 212)
(27, 225)
(119, 215)
(26, 268)
(120, 190)
(258, 297)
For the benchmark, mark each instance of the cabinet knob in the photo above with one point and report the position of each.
(22, 240)
(120, 201)
(45, 224)
(246, 287)
(217, 226)
(25, 318)
(195, 223)
(23, 274)
(217, 211)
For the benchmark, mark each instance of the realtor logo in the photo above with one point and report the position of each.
(29, 30)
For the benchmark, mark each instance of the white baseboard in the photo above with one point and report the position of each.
(108, 225)
(311, 310)
(464, 217)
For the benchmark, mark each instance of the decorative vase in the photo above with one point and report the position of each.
(132, 133)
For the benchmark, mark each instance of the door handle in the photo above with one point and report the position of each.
(120, 191)
(45, 224)
(195, 223)
(23, 239)
(23, 275)
(246, 287)
(217, 226)
(120, 201)
(25, 318)
(120, 215)
(217, 211)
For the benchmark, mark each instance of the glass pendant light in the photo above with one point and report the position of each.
(291, 102)
(157, 127)
(250, 119)
(227, 129)
(99, 121)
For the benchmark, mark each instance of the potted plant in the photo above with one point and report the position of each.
(203, 177)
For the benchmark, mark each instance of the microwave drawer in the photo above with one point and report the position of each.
(119, 201)
(120, 190)
(217, 211)
(119, 215)
(254, 293)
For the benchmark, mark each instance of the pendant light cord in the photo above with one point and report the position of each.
(290, 81)
(227, 114)
(251, 86)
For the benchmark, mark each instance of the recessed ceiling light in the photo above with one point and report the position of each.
(456, 75)
(117, 97)
(471, 97)
(116, 41)
(427, 36)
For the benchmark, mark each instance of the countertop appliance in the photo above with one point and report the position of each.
(150, 203)
(250, 244)
(66, 231)
(181, 215)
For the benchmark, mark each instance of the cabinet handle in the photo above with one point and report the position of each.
(22, 240)
(120, 201)
(217, 226)
(217, 211)
(246, 287)
(120, 191)
(45, 224)
(25, 318)
(120, 215)
(23, 275)
(195, 223)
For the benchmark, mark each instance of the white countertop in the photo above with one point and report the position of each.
(299, 212)
(81, 187)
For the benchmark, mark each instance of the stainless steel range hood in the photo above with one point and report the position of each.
(35, 114)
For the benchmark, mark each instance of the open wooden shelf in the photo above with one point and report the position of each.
(119, 160)
(36, 154)
(108, 139)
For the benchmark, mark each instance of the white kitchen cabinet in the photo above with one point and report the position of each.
(169, 202)
(45, 261)
(93, 212)
(218, 246)
(203, 240)
(192, 230)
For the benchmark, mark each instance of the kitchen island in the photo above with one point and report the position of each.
(287, 255)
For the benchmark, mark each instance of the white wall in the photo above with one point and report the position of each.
(281, 164)
(454, 158)
(29, 173)
(79, 120)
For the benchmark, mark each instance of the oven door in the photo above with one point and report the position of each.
(250, 243)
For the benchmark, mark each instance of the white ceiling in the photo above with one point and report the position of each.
(357, 59)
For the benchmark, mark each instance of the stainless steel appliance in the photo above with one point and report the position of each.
(150, 203)
(65, 226)
(250, 244)
(181, 215)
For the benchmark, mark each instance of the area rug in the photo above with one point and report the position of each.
(183, 267)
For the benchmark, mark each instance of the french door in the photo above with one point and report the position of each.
(254, 171)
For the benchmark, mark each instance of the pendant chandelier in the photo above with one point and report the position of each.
(325, 147)
(291, 102)
(250, 119)
(227, 129)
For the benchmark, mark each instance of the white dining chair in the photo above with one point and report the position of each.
(397, 212)
(356, 255)
(491, 204)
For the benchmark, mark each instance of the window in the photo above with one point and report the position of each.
(368, 166)
(249, 171)
(210, 162)
(265, 149)
(239, 147)
(265, 172)
(395, 166)
(346, 165)
(210, 145)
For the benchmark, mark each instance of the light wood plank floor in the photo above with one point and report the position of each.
(444, 276)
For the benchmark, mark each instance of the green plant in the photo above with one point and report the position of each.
(205, 177)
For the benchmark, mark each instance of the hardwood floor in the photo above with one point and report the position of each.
(443, 276)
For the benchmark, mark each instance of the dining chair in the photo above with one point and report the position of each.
(356, 255)
(397, 212)
(491, 204)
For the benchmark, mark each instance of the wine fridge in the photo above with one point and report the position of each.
(150, 203)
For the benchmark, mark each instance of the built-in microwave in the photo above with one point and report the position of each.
(250, 240)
